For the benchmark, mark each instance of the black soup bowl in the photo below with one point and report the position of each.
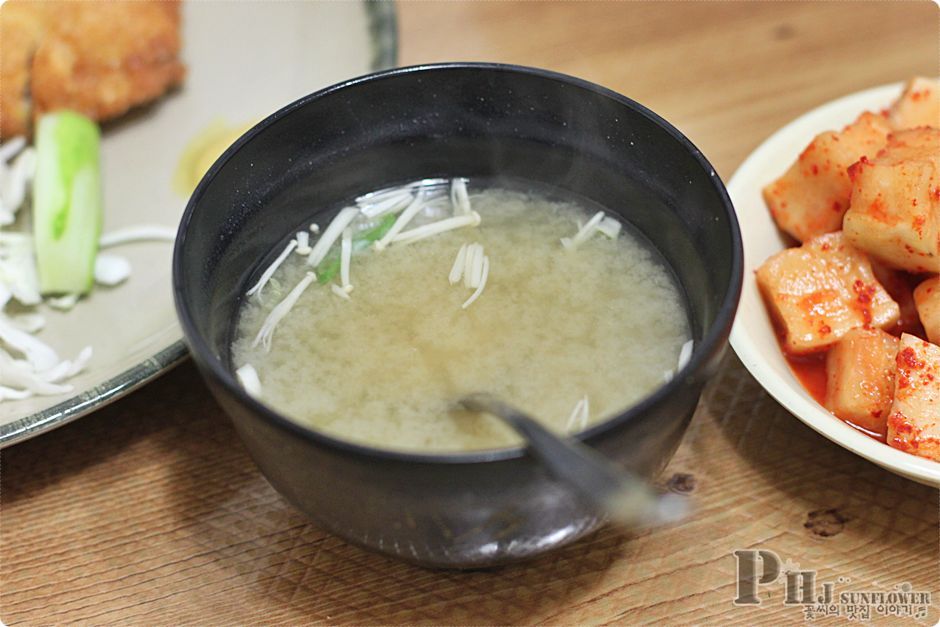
(472, 509)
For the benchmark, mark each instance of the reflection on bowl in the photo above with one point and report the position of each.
(480, 120)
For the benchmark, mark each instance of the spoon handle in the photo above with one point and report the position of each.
(624, 497)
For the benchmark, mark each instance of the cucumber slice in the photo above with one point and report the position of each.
(67, 202)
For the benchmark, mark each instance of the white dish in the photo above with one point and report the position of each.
(752, 336)
(245, 60)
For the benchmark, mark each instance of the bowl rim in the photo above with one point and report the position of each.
(703, 351)
(787, 391)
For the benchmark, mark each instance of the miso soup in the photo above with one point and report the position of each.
(574, 318)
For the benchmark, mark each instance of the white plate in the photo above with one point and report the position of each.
(752, 336)
(245, 60)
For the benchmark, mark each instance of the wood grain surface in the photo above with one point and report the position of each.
(150, 512)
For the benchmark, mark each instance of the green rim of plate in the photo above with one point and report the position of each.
(383, 31)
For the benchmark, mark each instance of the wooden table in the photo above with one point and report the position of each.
(150, 512)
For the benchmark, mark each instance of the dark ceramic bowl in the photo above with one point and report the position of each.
(478, 120)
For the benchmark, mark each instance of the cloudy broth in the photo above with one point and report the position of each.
(552, 328)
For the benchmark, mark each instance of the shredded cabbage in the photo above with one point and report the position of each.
(29, 366)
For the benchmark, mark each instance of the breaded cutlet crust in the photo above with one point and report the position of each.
(22, 27)
(98, 58)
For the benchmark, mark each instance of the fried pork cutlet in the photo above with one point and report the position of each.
(97, 58)
(22, 26)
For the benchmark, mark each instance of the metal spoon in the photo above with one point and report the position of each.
(623, 497)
